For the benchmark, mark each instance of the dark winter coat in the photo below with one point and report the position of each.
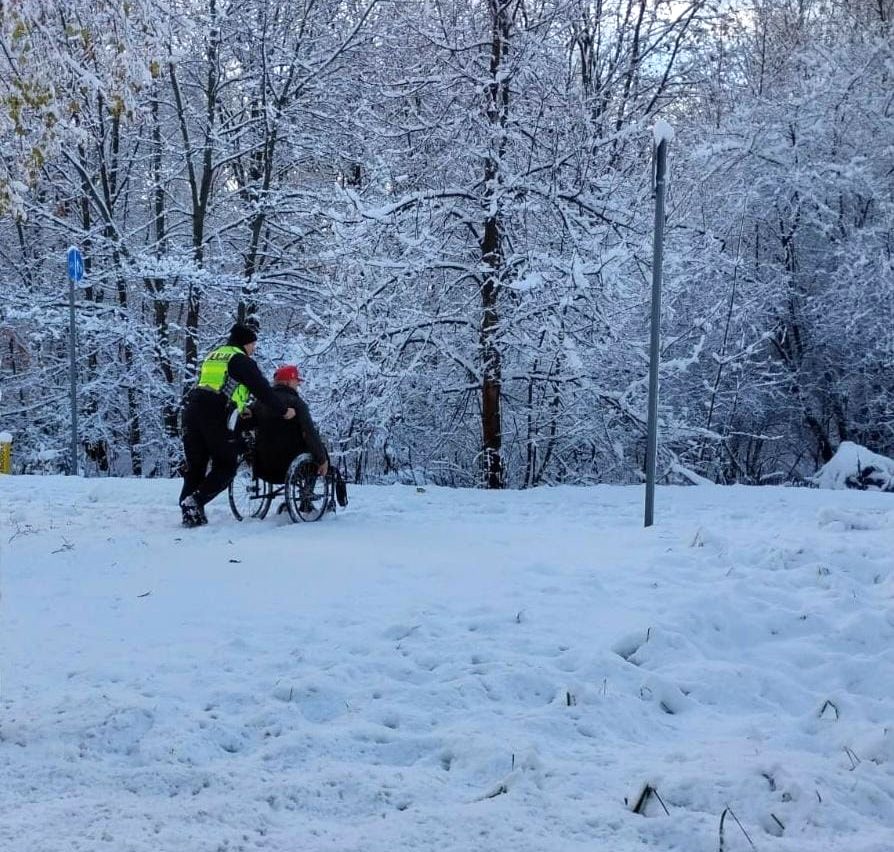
(206, 436)
(245, 371)
(279, 441)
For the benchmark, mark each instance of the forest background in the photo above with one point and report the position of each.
(442, 210)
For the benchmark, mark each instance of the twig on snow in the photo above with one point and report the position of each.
(826, 705)
(643, 800)
(729, 810)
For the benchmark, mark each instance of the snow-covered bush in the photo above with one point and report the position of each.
(854, 466)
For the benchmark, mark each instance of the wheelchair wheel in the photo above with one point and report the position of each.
(249, 496)
(307, 493)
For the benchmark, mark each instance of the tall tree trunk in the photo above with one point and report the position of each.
(109, 173)
(156, 286)
(258, 184)
(497, 110)
(96, 450)
(200, 180)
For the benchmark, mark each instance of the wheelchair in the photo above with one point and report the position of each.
(307, 496)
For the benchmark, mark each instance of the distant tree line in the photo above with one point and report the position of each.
(442, 210)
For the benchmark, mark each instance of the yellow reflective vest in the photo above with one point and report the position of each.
(215, 376)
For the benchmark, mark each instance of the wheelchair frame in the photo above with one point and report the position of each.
(307, 495)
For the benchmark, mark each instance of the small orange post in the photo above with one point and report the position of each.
(5, 452)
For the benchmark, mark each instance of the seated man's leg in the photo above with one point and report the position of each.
(306, 504)
(271, 461)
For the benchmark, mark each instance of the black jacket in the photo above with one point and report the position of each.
(278, 440)
(244, 370)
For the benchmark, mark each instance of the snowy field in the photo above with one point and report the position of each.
(447, 670)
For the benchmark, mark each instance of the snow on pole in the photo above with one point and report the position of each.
(662, 134)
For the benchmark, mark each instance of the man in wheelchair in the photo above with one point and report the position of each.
(278, 441)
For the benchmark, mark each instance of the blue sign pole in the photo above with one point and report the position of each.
(75, 274)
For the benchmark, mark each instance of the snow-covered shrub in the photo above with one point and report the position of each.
(854, 466)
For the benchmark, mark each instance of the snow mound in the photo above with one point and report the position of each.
(854, 466)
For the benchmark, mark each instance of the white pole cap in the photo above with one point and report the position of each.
(662, 132)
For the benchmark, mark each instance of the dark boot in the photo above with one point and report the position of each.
(193, 512)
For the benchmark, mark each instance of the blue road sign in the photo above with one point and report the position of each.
(75, 264)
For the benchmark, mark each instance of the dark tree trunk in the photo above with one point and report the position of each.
(156, 286)
(201, 181)
(497, 109)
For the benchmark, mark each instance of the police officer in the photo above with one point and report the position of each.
(227, 378)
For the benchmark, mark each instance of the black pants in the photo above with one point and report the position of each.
(206, 438)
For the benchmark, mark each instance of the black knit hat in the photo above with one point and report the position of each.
(241, 334)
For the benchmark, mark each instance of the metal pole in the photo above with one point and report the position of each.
(652, 439)
(73, 376)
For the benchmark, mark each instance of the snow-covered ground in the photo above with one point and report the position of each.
(447, 670)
